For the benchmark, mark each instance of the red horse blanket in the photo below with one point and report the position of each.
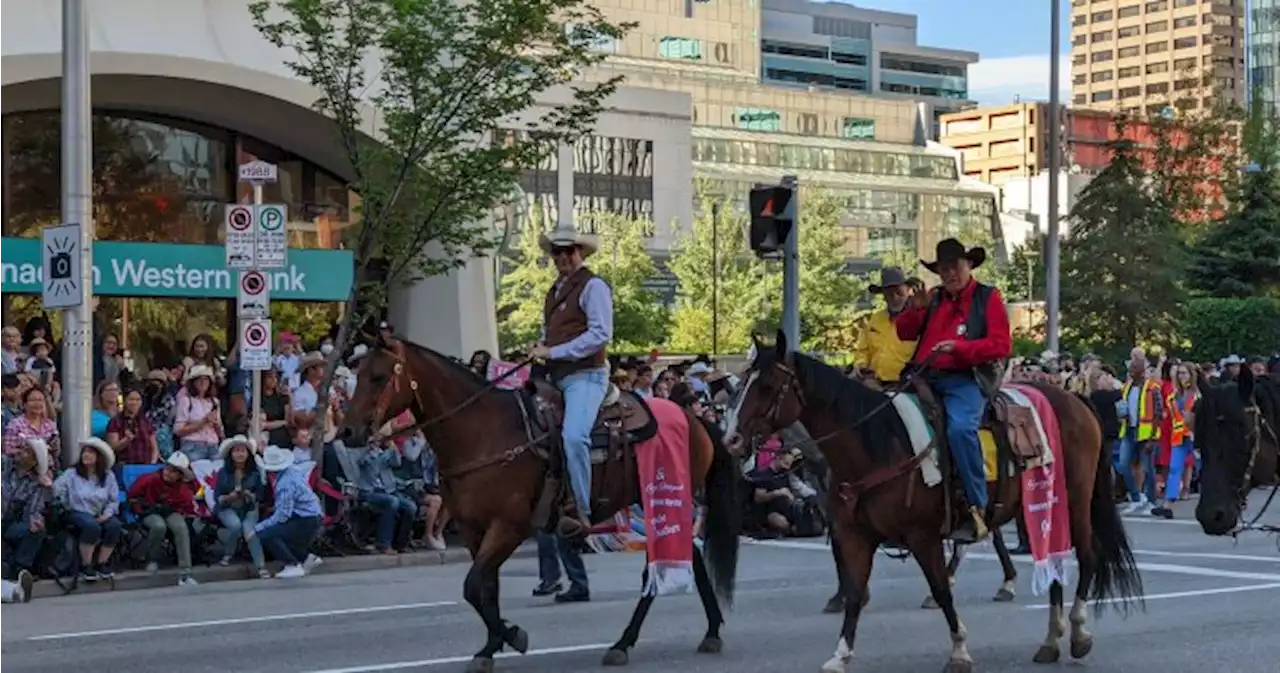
(666, 493)
(1044, 501)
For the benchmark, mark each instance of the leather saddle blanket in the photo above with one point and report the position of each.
(1012, 432)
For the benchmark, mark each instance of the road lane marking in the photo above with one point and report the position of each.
(422, 663)
(242, 620)
(1176, 594)
(1208, 555)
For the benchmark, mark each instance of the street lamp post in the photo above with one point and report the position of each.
(1052, 287)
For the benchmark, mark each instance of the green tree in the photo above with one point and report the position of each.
(1240, 256)
(1121, 263)
(640, 320)
(1026, 264)
(450, 77)
(527, 276)
(736, 301)
(1187, 147)
(829, 294)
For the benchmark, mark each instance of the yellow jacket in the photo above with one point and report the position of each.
(880, 350)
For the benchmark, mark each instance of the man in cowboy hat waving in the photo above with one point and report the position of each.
(577, 326)
(964, 327)
(879, 349)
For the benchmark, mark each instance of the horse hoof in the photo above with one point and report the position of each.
(835, 665)
(1004, 596)
(1081, 648)
(958, 666)
(518, 639)
(834, 605)
(480, 665)
(1047, 654)
(615, 658)
(710, 645)
(929, 603)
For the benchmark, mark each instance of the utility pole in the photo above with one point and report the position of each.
(715, 280)
(791, 267)
(1051, 257)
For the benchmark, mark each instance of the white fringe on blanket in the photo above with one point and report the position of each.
(1056, 568)
(669, 577)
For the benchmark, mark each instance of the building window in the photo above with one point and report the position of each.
(882, 241)
(1157, 68)
(1157, 88)
(1102, 76)
(1101, 56)
(813, 157)
(1131, 92)
(849, 59)
(1183, 64)
(1185, 84)
(797, 50)
(1131, 71)
(888, 62)
(1158, 6)
(680, 47)
(1184, 22)
(1079, 20)
(1079, 59)
(1130, 52)
(1185, 3)
(1157, 27)
(824, 25)
(1157, 47)
(803, 77)
(858, 129)
(1185, 42)
(1078, 99)
(1079, 40)
(1100, 16)
(1130, 11)
(1103, 96)
(1101, 36)
(1078, 79)
(1128, 31)
(611, 175)
(757, 119)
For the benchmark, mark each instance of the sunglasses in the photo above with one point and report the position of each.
(558, 250)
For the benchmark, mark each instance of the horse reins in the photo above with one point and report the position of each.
(1259, 424)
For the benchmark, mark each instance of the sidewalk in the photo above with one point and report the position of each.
(168, 577)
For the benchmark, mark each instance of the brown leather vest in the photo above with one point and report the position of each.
(565, 320)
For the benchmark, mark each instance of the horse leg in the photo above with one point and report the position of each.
(1048, 652)
(1008, 589)
(932, 560)
(857, 553)
(617, 654)
(836, 603)
(1081, 639)
(481, 591)
(711, 643)
(953, 567)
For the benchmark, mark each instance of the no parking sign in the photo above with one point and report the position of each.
(255, 345)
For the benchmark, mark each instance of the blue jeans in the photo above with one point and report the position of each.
(199, 450)
(92, 532)
(391, 509)
(1177, 463)
(554, 550)
(1131, 449)
(289, 541)
(964, 402)
(584, 392)
(232, 526)
(27, 544)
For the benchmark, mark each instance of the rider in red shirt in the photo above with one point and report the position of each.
(964, 327)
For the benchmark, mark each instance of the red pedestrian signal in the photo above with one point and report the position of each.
(771, 222)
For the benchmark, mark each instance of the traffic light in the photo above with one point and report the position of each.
(771, 218)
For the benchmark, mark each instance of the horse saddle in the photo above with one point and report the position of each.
(623, 419)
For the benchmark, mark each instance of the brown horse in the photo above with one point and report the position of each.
(868, 447)
(492, 478)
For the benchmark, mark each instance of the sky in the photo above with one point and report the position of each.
(1011, 38)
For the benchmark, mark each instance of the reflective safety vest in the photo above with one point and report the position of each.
(1180, 429)
(1147, 427)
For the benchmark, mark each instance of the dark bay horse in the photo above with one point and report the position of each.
(869, 446)
(491, 481)
(1237, 429)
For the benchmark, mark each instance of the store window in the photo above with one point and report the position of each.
(756, 119)
(858, 129)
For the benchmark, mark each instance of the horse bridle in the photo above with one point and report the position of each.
(1259, 424)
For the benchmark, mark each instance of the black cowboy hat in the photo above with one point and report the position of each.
(890, 276)
(950, 249)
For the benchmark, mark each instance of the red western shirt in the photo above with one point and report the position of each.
(952, 312)
(151, 490)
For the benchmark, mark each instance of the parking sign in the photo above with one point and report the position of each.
(255, 345)
(271, 241)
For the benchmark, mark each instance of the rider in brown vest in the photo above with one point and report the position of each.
(577, 328)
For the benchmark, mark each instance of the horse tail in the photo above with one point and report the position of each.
(1116, 578)
(724, 516)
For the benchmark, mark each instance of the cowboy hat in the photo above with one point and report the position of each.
(564, 236)
(105, 453)
(180, 462)
(196, 371)
(41, 449)
(156, 375)
(275, 459)
(698, 369)
(950, 250)
(890, 276)
(224, 449)
(1232, 359)
(311, 360)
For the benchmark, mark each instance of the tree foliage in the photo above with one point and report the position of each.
(1246, 326)
(639, 318)
(526, 277)
(828, 293)
(1240, 255)
(447, 75)
(1026, 265)
(1121, 262)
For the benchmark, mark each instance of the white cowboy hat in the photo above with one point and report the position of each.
(105, 453)
(311, 360)
(180, 462)
(196, 371)
(224, 449)
(41, 449)
(275, 459)
(1232, 359)
(698, 369)
(566, 235)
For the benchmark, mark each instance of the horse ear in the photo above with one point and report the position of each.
(1244, 384)
(755, 340)
(780, 344)
(1203, 384)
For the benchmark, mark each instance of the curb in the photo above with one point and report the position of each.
(132, 580)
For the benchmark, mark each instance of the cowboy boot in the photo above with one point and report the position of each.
(572, 524)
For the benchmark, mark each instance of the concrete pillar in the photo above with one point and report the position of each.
(452, 313)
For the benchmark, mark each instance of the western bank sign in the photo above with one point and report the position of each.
(123, 269)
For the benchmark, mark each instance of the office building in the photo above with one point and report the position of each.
(1262, 45)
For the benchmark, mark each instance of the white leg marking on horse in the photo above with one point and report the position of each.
(1011, 586)
(1057, 626)
(1079, 617)
(959, 645)
(841, 659)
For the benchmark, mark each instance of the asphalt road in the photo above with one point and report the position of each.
(1210, 606)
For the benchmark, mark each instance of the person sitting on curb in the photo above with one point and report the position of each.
(295, 521)
(25, 491)
(91, 496)
(165, 501)
(377, 486)
(239, 490)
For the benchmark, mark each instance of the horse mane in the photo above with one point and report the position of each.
(849, 401)
(451, 362)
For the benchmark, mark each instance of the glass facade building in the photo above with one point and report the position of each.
(1262, 53)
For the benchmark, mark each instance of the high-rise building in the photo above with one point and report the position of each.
(1157, 56)
(828, 92)
(1263, 53)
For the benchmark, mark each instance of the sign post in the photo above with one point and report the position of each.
(255, 239)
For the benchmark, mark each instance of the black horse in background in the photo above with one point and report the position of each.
(1236, 430)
